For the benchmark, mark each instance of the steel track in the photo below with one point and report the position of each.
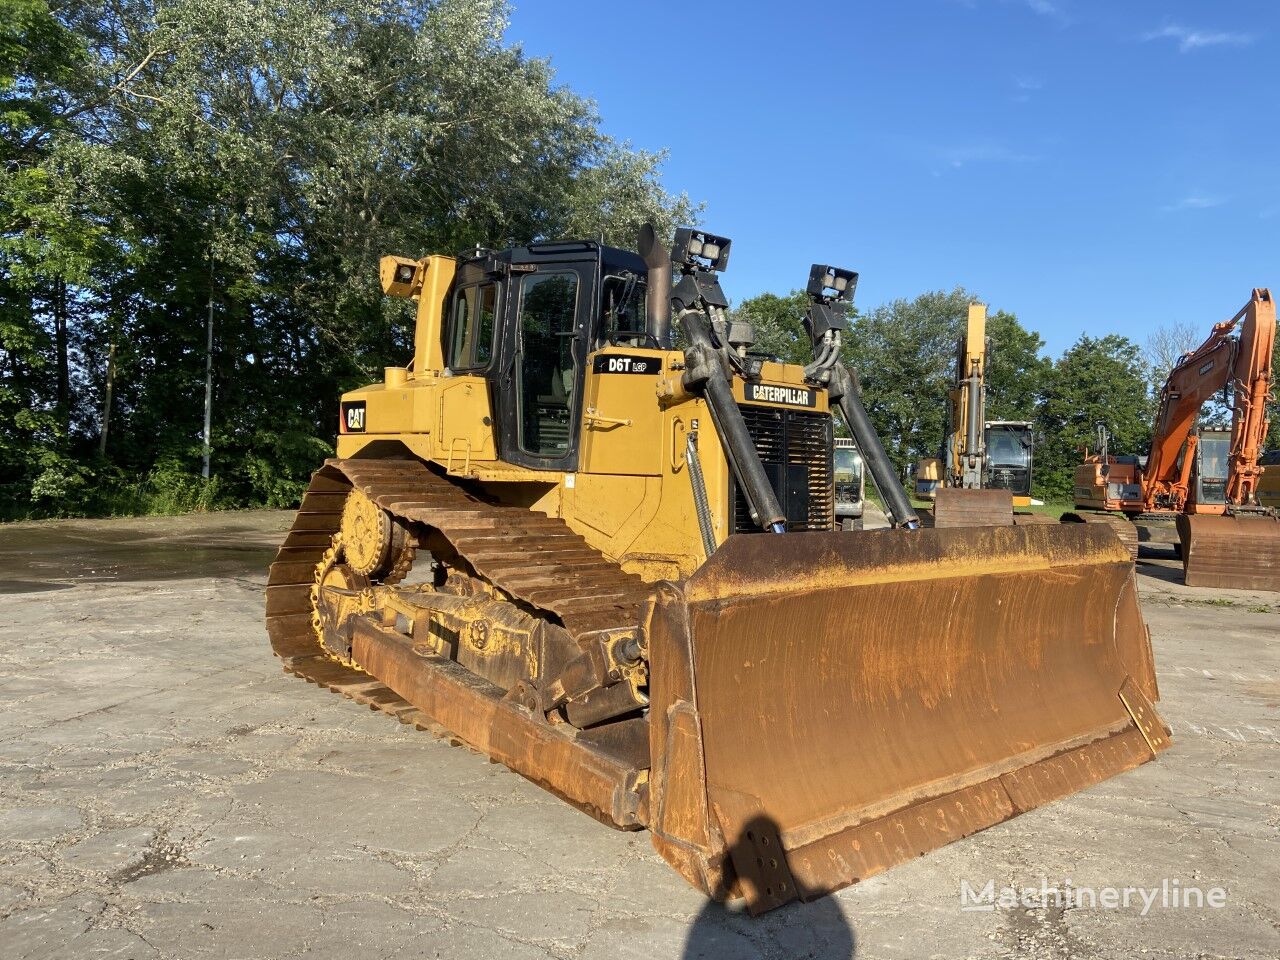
(537, 559)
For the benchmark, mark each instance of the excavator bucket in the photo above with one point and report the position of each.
(825, 706)
(1235, 552)
(956, 507)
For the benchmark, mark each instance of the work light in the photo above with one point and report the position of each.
(840, 283)
(699, 250)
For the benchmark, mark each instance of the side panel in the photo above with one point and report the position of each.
(622, 423)
(465, 431)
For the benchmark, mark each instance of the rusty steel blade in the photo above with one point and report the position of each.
(1236, 552)
(873, 697)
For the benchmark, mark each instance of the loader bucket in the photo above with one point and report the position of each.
(825, 706)
(1235, 552)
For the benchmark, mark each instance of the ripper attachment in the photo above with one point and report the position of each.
(830, 292)
(717, 349)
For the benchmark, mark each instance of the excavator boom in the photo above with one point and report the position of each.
(1236, 545)
(986, 465)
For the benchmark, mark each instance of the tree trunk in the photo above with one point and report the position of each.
(60, 345)
(108, 389)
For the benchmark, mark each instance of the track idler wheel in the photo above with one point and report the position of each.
(373, 542)
(340, 594)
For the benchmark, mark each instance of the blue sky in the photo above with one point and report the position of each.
(1093, 167)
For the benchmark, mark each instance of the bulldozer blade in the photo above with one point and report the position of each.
(955, 507)
(825, 706)
(1235, 552)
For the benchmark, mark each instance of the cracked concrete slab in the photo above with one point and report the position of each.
(167, 792)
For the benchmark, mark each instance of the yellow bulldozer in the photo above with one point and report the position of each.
(613, 564)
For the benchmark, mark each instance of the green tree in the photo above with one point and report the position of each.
(262, 157)
(905, 352)
(1016, 372)
(779, 325)
(1098, 379)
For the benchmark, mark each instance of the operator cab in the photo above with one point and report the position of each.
(848, 477)
(525, 319)
(1269, 485)
(1212, 464)
(1009, 455)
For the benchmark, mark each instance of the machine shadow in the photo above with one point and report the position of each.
(817, 930)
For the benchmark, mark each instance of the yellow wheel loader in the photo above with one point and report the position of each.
(613, 565)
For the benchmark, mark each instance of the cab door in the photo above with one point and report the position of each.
(542, 370)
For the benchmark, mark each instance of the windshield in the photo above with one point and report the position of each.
(1009, 446)
(848, 465)
(622, 314)
(1214, 451)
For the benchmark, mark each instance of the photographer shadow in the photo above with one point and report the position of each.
(818, 930)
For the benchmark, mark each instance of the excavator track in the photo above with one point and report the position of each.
(1124, 528)
(535, 559)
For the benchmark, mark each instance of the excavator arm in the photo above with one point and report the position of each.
(1242, 549)
(1241, 361)
(1252, 390)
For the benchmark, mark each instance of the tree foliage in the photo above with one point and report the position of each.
(1273, 432)
(262, 157)
(905, 352)
(779, 325)
(1097, 380)
(1166, 346)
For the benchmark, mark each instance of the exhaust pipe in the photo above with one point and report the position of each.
(658, 290)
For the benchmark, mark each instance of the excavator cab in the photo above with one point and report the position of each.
(1010, 445)
(1208, 487)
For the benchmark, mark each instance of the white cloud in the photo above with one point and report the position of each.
(1196, 202)
(983, 152)
(1044, 7)
(1026, 86)
(1052, 9)
(1189, 39)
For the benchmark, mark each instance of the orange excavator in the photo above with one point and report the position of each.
(1226, 537)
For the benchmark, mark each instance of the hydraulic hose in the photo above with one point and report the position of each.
(844, 390)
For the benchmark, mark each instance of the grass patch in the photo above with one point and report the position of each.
(1055, 509)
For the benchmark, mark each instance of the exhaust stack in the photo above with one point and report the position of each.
(658, 291)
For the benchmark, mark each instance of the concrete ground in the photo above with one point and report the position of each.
(166, 791)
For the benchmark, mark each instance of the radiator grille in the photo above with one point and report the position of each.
(795, 447)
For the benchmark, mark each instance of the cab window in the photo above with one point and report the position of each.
(622, 310)
(471, 327)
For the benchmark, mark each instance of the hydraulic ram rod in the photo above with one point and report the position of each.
(704, 373)
(844, 390)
